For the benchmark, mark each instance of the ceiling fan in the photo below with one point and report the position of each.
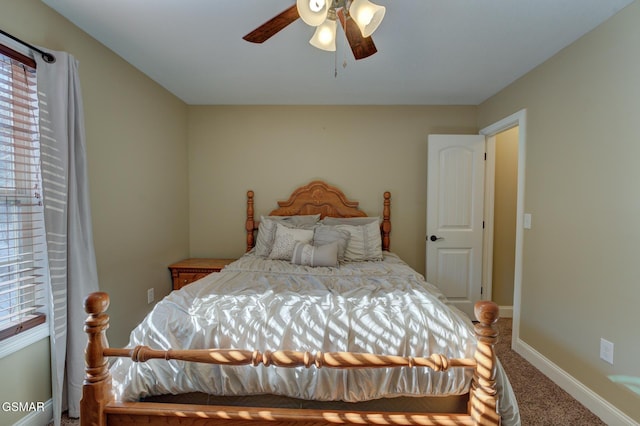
(359, 19)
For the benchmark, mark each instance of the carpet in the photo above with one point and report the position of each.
(541, 402)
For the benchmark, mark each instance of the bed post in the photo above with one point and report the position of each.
(96, 390)
(483, 396)
(386, 221)
(250, 224)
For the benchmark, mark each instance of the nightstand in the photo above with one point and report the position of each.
(189, 270)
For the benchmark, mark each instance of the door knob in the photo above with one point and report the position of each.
(434, 238)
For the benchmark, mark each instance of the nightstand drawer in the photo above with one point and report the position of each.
(190, 270)
(185, 278)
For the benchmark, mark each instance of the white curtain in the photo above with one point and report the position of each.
(71, 257)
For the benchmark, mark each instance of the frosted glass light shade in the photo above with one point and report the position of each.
(313, 12)
(366, 15)
(325, 36)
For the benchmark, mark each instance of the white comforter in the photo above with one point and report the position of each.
(379, 307)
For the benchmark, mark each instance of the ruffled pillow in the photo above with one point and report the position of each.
(365, 242)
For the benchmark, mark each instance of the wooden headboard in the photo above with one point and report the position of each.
(318, 197)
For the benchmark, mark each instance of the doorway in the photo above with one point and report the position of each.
(518, 120)
(501, 194)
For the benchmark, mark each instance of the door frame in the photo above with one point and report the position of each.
(517, 119)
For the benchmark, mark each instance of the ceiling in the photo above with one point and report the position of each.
(430, 52)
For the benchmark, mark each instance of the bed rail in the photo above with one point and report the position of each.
(97, 405)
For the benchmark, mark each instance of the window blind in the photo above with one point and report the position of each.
(22, 248)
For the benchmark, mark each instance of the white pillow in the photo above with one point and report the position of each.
(267, 229)
(365, 242)
(306, 254)
(286, 239)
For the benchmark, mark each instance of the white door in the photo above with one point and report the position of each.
(455, 199)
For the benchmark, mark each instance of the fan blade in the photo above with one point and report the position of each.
(362, 47)
(267, 30)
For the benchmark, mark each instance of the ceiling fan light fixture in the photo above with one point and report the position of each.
(324, 15)
(325, 36)
(313, 12)
(366, 15)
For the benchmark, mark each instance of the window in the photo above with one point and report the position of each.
(22, 248)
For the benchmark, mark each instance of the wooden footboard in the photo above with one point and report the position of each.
(98, 407)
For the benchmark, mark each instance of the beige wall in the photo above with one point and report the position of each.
(504, 216)
(25, 376)
(581, 268)
(580, 273)
(137, 162)
(274, 149)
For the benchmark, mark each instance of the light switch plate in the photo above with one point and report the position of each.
(606, 351)
(527, 221)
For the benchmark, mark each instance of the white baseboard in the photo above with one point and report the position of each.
(506, 311)
(594, 402)
(38, 417)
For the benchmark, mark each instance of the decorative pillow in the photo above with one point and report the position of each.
(324, 234)
(306, 254)
(285, 240)
(365, 242)
(355, 221)
(267, 229)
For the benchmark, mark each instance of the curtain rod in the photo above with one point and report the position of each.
(48, 57)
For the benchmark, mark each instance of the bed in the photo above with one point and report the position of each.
(345, 331)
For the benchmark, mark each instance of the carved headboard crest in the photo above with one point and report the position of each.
(318, 197)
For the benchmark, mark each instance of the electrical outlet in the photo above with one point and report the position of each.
(150, 295)
(606, 351)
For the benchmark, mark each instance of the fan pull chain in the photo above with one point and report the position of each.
(345, 47)
(344, 55)
(344, 60)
